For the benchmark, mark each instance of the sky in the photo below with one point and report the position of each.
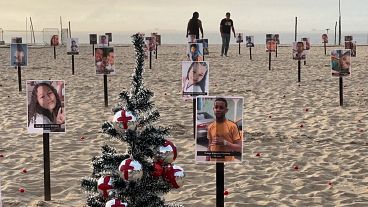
(273, 16)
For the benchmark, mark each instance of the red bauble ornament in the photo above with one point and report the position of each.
(226, 192)
(301, 126)
(306, 110)
(258, 154)
(24, 170)
(270, 116)
(104, 185)
(130, 169)
(1, 155)
(296, 167)
(22, 190)
(116, 203)
(157, 169)
(82, 138)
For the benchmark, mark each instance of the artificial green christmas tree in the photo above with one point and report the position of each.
(141, 175)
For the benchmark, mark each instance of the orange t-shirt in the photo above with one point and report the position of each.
(228, 131)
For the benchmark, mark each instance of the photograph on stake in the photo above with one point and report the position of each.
(18, 54)
(105, 61)
(249, 41)
(195, 78)
(195, 52)
(219, 129)
(341, 63)
(45, 106)
(72, 46)
(299, 51)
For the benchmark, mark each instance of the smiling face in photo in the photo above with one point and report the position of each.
(46, 98)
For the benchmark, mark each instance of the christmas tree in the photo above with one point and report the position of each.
(140, 176)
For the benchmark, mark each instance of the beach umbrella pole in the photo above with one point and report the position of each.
(105, 91)
(324, 45)
(276, 50)
(239, 48)
(156, 51)
(46, 166)
(220, 184)
(54, 52)
(150, 60)
(93, 49)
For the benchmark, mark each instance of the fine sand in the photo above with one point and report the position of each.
(330, 150)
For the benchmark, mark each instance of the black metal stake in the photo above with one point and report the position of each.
(299, 66)
(341, 91)
(93, 49)
(269, 60)
(19, 78)
(250, 53)
(239, 48)
(220, 184)
(150, 60)
(156, 51)
(324, 45)
(46, 166)
(72, 64)
(194, 116)
(105, 91)
(54, 52)
(276, 50)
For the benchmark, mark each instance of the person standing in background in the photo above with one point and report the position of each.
(194, 26)
(226, 26)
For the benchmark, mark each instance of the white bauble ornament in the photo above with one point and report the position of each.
(175, 175)
(116, 203)
(104, 185)
(124, 120)
(167, 152)
(130, 169)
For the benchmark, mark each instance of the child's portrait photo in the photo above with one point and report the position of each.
(219, 129)
(18, 54)
(45, 106)
(195, 78)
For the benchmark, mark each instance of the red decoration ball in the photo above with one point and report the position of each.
(82, 137)
(301, 126)
(1, 155)
(296, 167)
(226, 192)
(306, 110)
(330, 183)
(258, 154)
(270, 116)
(24, 170)
(22, 190)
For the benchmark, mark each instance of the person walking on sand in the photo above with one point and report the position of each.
(226, 26)
(194, 26)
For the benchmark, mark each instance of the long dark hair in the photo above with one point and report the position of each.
(35, 108)
(202, 83)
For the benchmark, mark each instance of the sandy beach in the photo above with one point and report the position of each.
(288, 123)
